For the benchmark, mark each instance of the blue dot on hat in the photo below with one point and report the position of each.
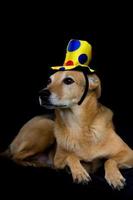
(83, 58)
(62, 69)
(73, 45)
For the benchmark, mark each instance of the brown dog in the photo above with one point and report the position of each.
(84, 132)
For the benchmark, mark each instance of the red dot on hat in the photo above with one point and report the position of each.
(69, 62)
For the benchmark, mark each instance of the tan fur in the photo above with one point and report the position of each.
(86, 133)
(33, 138)
(83, 133)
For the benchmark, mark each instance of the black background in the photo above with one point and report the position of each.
(30, 45)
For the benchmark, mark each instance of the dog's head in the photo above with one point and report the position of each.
(65, 89)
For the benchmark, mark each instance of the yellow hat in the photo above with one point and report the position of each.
(78, 53)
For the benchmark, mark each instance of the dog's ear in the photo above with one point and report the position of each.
(95, 84)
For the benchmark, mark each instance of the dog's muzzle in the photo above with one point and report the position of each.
(44, 100)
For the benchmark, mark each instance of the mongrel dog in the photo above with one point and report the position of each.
(84, 132)
(87, 132)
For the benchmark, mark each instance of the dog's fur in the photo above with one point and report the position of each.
(33, 139)
(83, 132)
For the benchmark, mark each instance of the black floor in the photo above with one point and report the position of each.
(27, 181)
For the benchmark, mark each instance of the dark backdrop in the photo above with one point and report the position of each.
(29, 47)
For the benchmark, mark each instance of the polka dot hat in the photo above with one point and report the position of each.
(78, 53)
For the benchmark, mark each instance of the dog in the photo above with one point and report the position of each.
(84, 133)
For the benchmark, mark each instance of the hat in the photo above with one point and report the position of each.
(78, 54)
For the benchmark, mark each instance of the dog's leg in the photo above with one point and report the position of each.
(63, 158)
(39, 160)
(79, 173)
(60, 157)
(112, 174)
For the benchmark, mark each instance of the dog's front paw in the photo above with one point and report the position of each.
(80, 175)
(115, 180)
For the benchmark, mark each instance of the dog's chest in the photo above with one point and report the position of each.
(68, 138)
(79, 137)
(83, 141)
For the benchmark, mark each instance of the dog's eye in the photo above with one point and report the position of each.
(49, 81)
(68, 81)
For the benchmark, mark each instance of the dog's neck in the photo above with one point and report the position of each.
(82, 115)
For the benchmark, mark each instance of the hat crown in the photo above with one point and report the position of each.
(78, 52)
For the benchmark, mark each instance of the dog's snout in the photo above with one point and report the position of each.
(44, 94)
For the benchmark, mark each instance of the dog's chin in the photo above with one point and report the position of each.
(52, 106)
(49, 105)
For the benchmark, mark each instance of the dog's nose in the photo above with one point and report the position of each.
(44, 94)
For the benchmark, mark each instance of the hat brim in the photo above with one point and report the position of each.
(72, 67)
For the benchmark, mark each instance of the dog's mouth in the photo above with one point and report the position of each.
(49, 105)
